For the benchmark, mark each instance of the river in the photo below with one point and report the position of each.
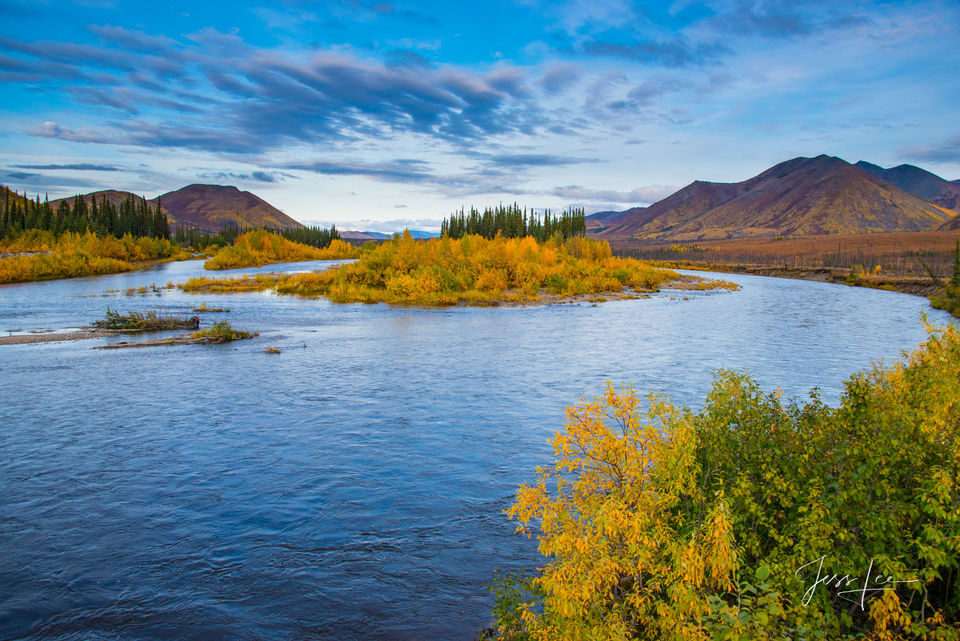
(352, 486)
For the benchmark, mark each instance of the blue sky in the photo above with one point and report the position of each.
(382, 114)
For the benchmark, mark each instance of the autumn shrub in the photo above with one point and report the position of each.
(257, 283)
(947, 300)
(476, 270)
(658, 522)
(72, 254)
(221, 332)
(262, 247)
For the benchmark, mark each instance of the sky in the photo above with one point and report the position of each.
(383, 114)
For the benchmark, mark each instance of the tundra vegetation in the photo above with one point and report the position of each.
(471, 270)
(659, 522)
(41, 254)
(949, 298)
(151, 321)
(263, 247)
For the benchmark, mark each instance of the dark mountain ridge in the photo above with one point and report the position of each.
(919, 182)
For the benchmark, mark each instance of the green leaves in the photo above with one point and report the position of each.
(700, 523)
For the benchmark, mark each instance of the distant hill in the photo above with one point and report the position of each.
(602, 219)
(213, 207)
(363, 235)
(204, 207)
(8, 196)
(918, 182)
(822, 195)
(116, 198)
(376, 235)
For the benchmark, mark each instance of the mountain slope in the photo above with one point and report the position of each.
(602, 219)
(952, 224)
(213, 207)
(918, 182)
(822, 195)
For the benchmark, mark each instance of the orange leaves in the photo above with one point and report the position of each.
(261, 247)
(442, 271)
(620, 554)
(74, 254)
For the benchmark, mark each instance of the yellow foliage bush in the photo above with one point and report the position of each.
(72, 254)
(656, 522)
(475, 270)
(262, 247)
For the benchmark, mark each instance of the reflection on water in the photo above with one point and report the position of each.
(351, 487)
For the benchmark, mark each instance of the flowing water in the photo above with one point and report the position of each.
(353, 485)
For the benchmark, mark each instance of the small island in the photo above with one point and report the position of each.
(471, 270)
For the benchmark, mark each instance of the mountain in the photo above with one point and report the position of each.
(377, 235)
(918, 182)
(951, 224)
(822, 195)
(363, 235)
(203, 207)
(213, 207)
(602, 219)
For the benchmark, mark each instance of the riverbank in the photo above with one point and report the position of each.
(896, 261)
(916, 285)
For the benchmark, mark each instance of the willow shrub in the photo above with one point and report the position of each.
(476, 270)
(262, 247)
(657, 522)
(72, 254)
(948, 299)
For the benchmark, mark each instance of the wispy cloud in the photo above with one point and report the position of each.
(234, 89)
(638, 196)
(83, 166)
(534, 160)
(944, 151)
(255, 176)
(675, 52)
(402, 170)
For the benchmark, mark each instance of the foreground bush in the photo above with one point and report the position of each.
(663, 523)
(261, 247)
(72, 254)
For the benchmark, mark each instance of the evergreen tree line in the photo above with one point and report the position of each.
(512, 222)
(199, 240)
(134, 216)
